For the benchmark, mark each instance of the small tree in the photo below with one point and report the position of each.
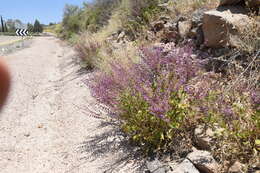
(30, 27)
(37, 27)
(6, 28)
(2, 24)
(11, 25)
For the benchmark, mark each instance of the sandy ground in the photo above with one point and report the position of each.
(48, 124)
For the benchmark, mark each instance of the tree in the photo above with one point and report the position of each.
(2, 24)
(6, 28)
(37, 27)
(30, 27)
(10, 25)
(71, 16)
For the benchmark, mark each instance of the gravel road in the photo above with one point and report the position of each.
(47, 125)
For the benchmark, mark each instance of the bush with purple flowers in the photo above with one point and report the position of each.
(167, 94)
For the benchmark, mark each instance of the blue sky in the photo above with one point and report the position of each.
(45, 11)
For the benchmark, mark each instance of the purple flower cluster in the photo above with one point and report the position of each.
(255, 97)
(160, 73)
(163, 71)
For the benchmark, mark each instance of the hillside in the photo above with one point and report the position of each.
(181, 78)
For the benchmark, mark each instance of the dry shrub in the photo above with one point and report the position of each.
(122, 54)
(114, 24)
(249, 39)
(187, 6)
(88, 49)
(137, 14)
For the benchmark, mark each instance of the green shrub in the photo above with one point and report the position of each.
(137, 14)
(96, 15)
(148, 130)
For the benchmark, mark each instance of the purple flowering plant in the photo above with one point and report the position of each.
(167, 93)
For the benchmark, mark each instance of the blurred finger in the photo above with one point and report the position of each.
(4, 82)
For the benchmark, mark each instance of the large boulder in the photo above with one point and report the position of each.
(237, 167)
(221, 25)
(204, 161)
(185, 167)
(156, 166)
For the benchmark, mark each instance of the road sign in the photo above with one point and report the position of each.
(22, 32)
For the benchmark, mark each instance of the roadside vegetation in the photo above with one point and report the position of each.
(162, 91)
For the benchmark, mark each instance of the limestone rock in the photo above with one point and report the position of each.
(223, 24)
(197, 17)
(156, 166)
(121, 37)
(184, 28)
(204, 138)
(237, 167)
(185, 167)
(204, 161)
(170, 26)
(165, 19)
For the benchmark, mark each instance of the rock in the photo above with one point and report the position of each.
(169, 33)
(197, 17)
(170, 26)
(150, 36)
(165, 19)
(156, 166)
(184, 28)
(204, 161)
(170, 36)
(185, 167)
(204, 138)
(27, 134)
(34, 96)
(158, 26)
(121, 37)
(223, 24)
(237, 167)
(229, 2)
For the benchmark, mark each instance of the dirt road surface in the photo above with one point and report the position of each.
(47, 125)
